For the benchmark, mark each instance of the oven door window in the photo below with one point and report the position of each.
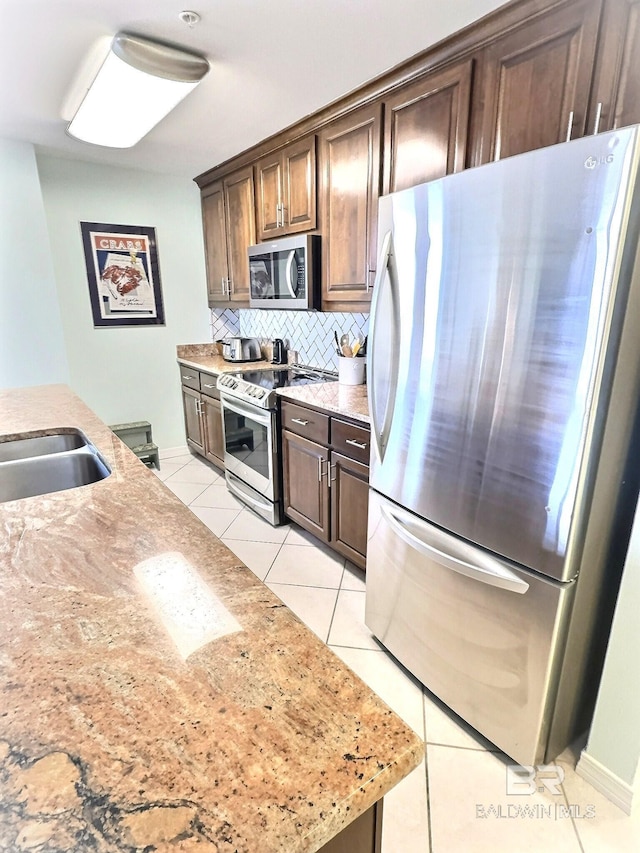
(248, 450)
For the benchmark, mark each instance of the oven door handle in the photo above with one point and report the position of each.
(260, 416)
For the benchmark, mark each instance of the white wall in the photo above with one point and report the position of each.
(128, 374)
(612, 755)
(32, 348)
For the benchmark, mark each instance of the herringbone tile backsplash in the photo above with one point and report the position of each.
(309, 333)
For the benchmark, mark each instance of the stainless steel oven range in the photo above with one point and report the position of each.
(251, 423)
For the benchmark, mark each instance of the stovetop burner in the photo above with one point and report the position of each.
(259, 386)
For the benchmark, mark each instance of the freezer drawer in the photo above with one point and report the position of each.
(483, 635)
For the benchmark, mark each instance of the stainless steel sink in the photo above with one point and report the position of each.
(41, 445)
(39, 465)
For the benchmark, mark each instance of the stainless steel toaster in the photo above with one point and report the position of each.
(241, 349)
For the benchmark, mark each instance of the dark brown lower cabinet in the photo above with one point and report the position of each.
(326, 478)
(349, 507)
(364, 835)
(203, 416)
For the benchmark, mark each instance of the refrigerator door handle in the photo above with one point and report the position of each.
(425, 539)
(380, 431)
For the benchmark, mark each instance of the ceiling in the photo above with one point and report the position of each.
(272, 63)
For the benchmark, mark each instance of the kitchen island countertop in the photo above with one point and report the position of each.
(212, 719)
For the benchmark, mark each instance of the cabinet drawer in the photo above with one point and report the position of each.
(208, 385)
(351, 440)
(310, 424)
(190, 377)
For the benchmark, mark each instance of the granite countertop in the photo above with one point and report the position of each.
(347, 400)
(154, 694)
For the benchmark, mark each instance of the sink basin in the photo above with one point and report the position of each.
(41, 445)
(41, 464)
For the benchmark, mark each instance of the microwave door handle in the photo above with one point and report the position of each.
(458, 556)
(288, 277)
(384, 277)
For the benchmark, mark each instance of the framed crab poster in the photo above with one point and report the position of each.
(123, 274)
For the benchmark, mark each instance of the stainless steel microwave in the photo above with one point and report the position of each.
(285, 273)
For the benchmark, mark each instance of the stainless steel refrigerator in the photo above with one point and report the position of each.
(503, 380)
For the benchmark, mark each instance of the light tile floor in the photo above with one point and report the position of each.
(457, 800)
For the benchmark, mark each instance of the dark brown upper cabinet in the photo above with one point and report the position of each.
(533, 83)
(349, 190)
(228, 213)
(616, 91)
(530, 74)
(426, 127)
(286, 190)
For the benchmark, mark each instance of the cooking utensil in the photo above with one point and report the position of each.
(347, 352)
(335, 335)
(357, 343)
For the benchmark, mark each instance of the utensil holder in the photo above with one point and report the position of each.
(350, 370)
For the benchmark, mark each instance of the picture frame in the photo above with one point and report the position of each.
(123, 274)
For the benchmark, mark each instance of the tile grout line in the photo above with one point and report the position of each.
(335, 606)
(426, 773)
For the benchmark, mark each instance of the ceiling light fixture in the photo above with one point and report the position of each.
(139, 82)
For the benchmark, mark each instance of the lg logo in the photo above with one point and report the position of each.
(592, 162)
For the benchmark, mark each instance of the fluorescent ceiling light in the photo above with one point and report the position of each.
(138, 83)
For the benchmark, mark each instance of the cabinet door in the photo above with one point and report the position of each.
(426, 124)
(269, 195)
(616, 99)
(350, 186)
(533, 83)
(299, 185)
(215, 243)
(192, 419)
(349, 507)
(241, 230)
(306, 494)
(213, 432)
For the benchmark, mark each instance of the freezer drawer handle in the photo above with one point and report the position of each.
(492, 572)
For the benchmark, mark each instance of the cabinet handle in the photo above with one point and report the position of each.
(355, 443)
(332, 468)
(298, 421)
(569, 126)
(186, 376)
(320, 472)
(208, 386)
(596, 123)
(198, 407)
(228, 287)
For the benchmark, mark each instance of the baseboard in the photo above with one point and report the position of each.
(620, 793)
(167, 452)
